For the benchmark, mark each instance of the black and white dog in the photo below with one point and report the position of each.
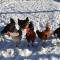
(14, 26)
(9, 27)
(14, 29)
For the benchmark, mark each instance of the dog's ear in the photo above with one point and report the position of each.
(19, 22)
(12, 20)
(27, 19)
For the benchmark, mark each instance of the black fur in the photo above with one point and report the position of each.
(23, 23)
(9, 27)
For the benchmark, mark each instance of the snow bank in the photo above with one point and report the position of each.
(39, 12)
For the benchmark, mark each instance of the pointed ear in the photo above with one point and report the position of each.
(12, 20)
(27, 19)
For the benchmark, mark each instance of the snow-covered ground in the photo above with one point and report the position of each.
(38, 11)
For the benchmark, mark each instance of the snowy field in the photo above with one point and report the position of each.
(39, 12)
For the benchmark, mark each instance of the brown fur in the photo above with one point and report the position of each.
(30, 35)
(44, 34)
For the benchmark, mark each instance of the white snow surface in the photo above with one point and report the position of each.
(51, 51)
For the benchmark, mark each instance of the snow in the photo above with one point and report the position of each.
(8, 53)
(47, 10)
